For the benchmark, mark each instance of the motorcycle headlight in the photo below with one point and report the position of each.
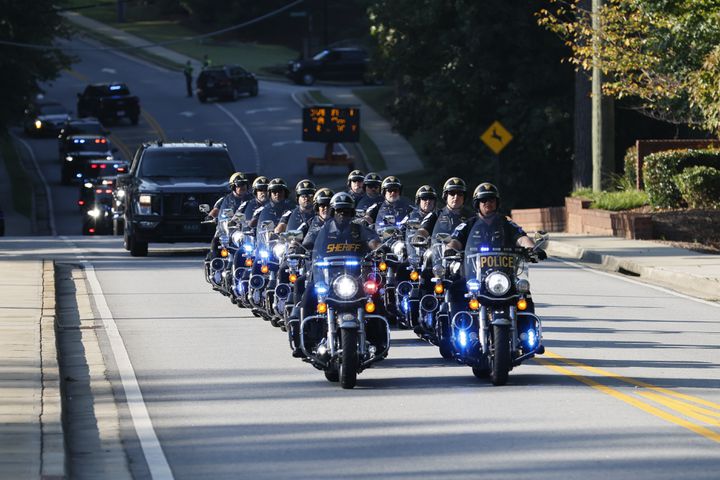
(399, 248)
(236, 237)
(345, 287)
(38, 124)
(321, 288)
(473, 285)
(69, 158)
(279, 250)
(523, 286)
(438, 270)
(94, 213)
(497, 283)
(248, 247)
(120, 193)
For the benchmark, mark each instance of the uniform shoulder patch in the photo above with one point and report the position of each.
(461, 226)
(258, 210)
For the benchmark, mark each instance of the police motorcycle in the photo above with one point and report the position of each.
(388, 263)
(217, 268)
(293, 257)
(434, 318)
(262, 280)
(497, 332)
(345, 335)
(411, 257)
(244, 240)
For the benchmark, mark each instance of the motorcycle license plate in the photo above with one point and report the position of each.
(120, 113)
(191, 227)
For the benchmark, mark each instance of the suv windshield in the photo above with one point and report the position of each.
(52, 109)
(206, 163)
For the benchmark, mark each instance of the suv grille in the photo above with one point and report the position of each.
(186, 204)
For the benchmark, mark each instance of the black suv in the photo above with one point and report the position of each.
(331, 64)
(225, 82)
(78, 126)
(109, 102)
(158, 200)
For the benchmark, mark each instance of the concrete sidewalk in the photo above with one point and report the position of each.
(31, 437)
(685, 271)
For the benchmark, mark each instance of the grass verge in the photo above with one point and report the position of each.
(614, 201)
(147, 23)
(21, 184)
(372, 154)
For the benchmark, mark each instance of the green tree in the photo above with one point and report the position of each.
(24, 68)
(460, 65)
(662, 54)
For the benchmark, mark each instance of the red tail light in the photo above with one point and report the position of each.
(91, 230)
(81, 202)
(370, 287)
(103, 166)
(93, 166)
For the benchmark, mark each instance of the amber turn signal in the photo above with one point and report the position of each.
(382, 266)
(248, 262)
(322, 307)
(293, 278)
(264, 269)
(439, 288)
(223, 253)
(522, 304)
(474, 304)
(414, 276)
(370, 307)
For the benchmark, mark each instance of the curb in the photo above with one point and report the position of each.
(53, 458)
(689, 284)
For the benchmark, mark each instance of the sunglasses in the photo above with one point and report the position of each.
(455, 194)
(486, 200)
(393, 190)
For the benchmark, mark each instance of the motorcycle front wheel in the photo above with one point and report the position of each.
(349, 359)
(500, 361)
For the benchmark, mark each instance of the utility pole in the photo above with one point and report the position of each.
(582, 144)
(603, 114)
(121, 11)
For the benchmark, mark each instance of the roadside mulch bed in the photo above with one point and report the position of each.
(697, 230)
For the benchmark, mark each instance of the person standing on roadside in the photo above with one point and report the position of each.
(207, 63)
(188, 72)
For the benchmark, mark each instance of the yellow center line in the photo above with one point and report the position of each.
(122, 146)
(154, 124)
(700, 430)
(688, 410)
(632, 381)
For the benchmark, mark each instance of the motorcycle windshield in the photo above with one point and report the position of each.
(510, 262)
(415, 245)
(263, 244)
(338, 277)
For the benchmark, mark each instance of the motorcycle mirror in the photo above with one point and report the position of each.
(414, 224)
(389, 232)
(228, 212)
(418, 241)
(389, 219)
(540, 239)
(204, 208)
(360, 213)
(267, 225)
(294, 235)
(239, 218)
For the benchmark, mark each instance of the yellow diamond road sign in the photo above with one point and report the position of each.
(496, 137)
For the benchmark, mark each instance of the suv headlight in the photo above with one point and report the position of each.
(345, 287)
(497, 283)
(144, 205)
(295, 67)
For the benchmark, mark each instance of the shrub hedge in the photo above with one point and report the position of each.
(661, 168)
(700, 186)
(631, 165)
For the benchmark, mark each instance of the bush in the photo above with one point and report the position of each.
(631, 165)
(700, 186)
(613, 201)
(660, 169)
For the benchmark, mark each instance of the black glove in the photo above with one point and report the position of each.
(449, 252)
(384, 248)
(542, 255)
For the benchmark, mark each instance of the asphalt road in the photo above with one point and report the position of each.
(628, 389)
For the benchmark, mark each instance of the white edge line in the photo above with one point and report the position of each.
(149, 443)
(247, 134)
(51, 212)
(636, 282)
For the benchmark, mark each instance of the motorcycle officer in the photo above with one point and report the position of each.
(425, 200)
(355, 183)
(490, 229)
(276, 206)
(452, 214)
(292, 219)
(238, 193)
(260, 197)
(339, 228)
(372, 195)
(392, 205)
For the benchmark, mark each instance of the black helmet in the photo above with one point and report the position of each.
(355, 175)
(453, 184)
(260, 183)
(305, 187)
(485, 190)
(390, 182)
(426, 192)
(322, 197)
(341, 201)
(278, 184)
(237, 179)
(373, 178)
